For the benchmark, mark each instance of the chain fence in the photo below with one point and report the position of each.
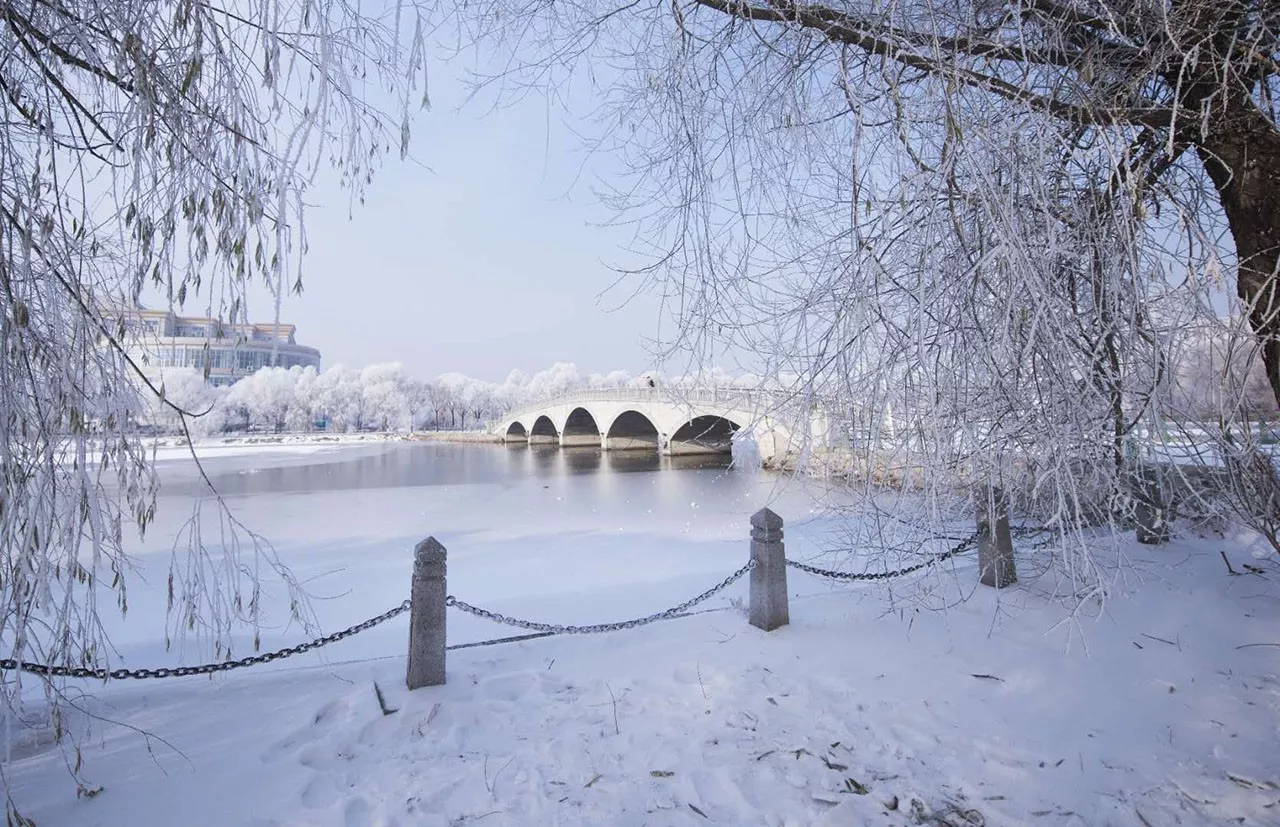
(540, 629)
(9, 664)
(597, 628)
(543, 630)
(964, 545)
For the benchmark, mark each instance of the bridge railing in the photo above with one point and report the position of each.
(753, 399)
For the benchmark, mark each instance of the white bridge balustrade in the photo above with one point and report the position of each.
(670, 420)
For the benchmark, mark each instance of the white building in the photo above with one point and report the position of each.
(163, 339)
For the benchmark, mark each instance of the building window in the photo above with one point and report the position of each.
(222, 358)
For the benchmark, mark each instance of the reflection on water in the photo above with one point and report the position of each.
(431, 463)
(587, 460)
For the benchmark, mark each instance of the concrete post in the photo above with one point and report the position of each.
(995, 543)
(769, 577)
(427, 615)
(1149, 507)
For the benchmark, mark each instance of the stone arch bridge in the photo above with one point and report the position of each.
(668, 420)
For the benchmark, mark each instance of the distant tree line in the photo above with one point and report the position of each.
(1216, 369)
(381, 397)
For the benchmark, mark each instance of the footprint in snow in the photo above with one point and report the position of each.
(358, 813)
(510, 687)
(320, 757)
(327, 714)
(324, 720)
(687, 673)
(319, 793)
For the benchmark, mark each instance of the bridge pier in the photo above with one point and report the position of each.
(630, 443)
(682, 448)
(574, 440)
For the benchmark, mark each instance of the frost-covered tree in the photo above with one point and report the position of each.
(478, 400)
(303, 409)
(995, 219)
(1218, 370)
(612, 379)
(183, 389)
(268, 395)
(451, 398)
(419, 397)
(557, 379)
(339, 397)
(164, 144)
(512, 391)
(385, 403)
(741, 116)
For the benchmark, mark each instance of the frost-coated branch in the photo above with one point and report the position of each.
(994, 230)
(161, 145)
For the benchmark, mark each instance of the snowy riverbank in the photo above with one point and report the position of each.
(1161, 707)
(457, 436)
(998, 711)
(177, 448)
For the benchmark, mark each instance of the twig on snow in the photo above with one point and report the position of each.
(1230, 570)
(492, 786)
(382, 702)
(616, 729)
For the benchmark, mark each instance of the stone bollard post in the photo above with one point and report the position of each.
(995, 543)
(769, 577)
(1148, 507)
(427, 615)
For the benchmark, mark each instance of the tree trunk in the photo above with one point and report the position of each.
(1241, 153)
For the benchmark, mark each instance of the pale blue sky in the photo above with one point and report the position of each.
(480, 254)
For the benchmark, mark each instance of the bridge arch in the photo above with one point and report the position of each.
(580, 428)
(515, 433)
(648, 418)
(706, 434)
(543, 431)
(632, 430)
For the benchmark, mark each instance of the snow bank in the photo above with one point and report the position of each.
(173, 448)
(990, 712)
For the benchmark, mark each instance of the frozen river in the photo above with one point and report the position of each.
(988, 710)
(561, 535)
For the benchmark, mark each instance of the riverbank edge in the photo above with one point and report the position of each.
(455, 436)
(302, 439)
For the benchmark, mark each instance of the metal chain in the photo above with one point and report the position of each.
(962, 547)
(556, 629)
(9, 664)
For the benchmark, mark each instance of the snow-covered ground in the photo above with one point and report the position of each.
(922, 702)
